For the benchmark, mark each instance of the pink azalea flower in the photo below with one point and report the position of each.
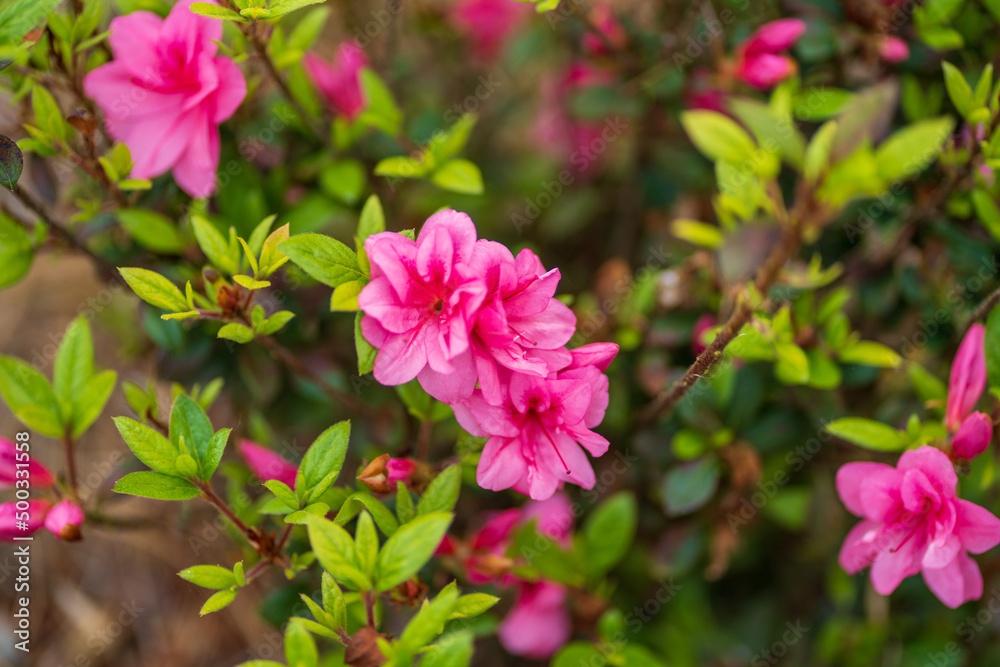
(267, 464)
(603, 17)
(64, 520)
(554, 517)
(166, 92)
(422, 301)
(558, 131)
(10, 516)
(973, 436)
(520, 326)
(489, 23)
(340, 83)
(536, 434)
(968, 377)
(912, 522)
(758, 62)
(399, 470)
(9, 460)
(893, 49)
(539, 624)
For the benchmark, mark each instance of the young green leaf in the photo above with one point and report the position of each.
(608, 532)
(366, 542)
(459, 175)
(300, 647)
(235, 331)
(148, 445)
(89, 404)
(214, 245)
(154, 289)
(404, 504)
(189, 421)
(324, 258)
(366, 352)
(151, 230)
(453, 650)
(74, 365)
(430, 620)
(409, 549)
(30, 397)
(442, 493)
(372, 219)
(322, 462)
(868, 433)
(155, 485)
(209, 576)
(718, 137)
(219, 601)
(335, 551)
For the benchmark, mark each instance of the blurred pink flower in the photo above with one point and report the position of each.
(757, 60)
(520, 325)
(64, 520)
(489, 23)
(557, 130)
(267, 464)
(912, 522)
(422, 301)
(537, 433)
(340, 83)
(10, 459)
(705, 322)
(166, 92)
(973, 436)
(603, 17)
(893, 49)
(538, 625)
(968, 377)
(554, 517)
(11, 518)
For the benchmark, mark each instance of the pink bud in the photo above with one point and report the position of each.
(399, 470)
(765, 70)
(267, 465)
(968, 377)
(9, 460)
(64, 520)
(774, 37)
(973, 436)
(893, 49)
(21, 523)
(340, 83)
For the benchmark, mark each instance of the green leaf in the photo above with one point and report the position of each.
(189, 421)
(987, 211)
(383, 517)
(275, 323)
(868, 433)
(345, 297)
(282, 492)
(235, 331)
(372, 220)
(697, 233)
(449, 143)
(442, 493)
(16, 252)
(155, 485)
(11, 162)
(212, 455)
(48, 117)
(335, 551)
(869, 353)
(286, 7)
(324, 258)
(209, 576)
(959, 90)
(219, 601)
(250, 283)
(817, 156)
(366, 542)
(608, 532)
(409, 549)
(381, 111)
(344, 180)
(404, 504)
(30, 397)
(18, 17)
(308, 29)
(912, 149)
(148, 445)
(333, 600)
(89, 404)
(688, 486)
(452, 650)
(430, 620)
(718, 137)
(366, 353)
(74, 365)
(401, 166)
(214, 245)
(791, 364)
(151, 230)
(216, 12)
(771, 129)
(300, 647)
(155, 290)
(322, 462)
(473, 604)
(459, 175)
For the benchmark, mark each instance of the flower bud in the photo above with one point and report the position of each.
(64, 521)
(12, 523)
(973, 436)
(968, 377)
(893, 49)
(375, 476)
(267, 464)
(399, 470)
(10, 457)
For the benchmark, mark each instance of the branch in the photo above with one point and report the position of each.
(766, 276)
(58, 229)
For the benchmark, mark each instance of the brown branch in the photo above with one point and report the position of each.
(766, 276)
(209, 495)
(58, 229)
(984, 307)
(70, 466)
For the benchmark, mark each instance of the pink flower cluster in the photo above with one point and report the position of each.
(481, 330)
(913, 520)
(759, 59)
(539, 624)
(23, 517)
(166, 92)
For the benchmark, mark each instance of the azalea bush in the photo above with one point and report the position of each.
(507, 332)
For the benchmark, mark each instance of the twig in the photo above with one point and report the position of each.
(285, 356)
(766, 276)
(424, 439)
(984, 307)
(208, 494)
(58, 229)
(70, 466)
